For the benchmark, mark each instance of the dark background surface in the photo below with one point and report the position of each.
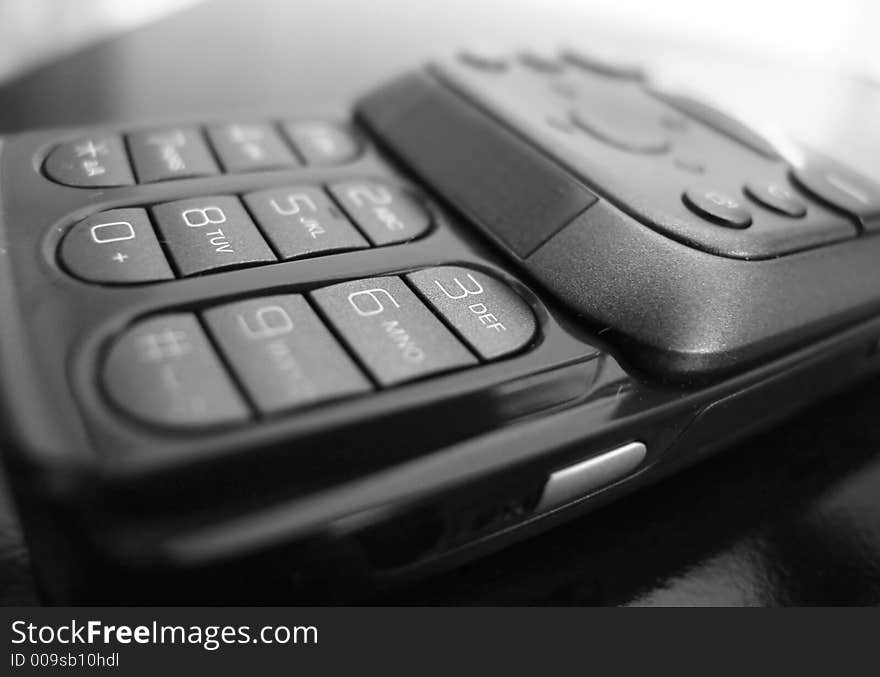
(790, 517)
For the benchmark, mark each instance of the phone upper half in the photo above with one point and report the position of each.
(671, 224)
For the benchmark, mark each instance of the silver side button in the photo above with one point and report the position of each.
(580, 479)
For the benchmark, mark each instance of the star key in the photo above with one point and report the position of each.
(99, 161)
(92, 149)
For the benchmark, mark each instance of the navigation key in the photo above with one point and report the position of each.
(842, 188)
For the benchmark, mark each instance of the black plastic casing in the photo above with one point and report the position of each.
(346, 499)
(679, 311)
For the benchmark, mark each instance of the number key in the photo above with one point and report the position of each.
(170, 153)
(322, 143)
(250, 147)
(396, 337)
(116, 247)
(302, 221)
(211, 233)
(487, 314)
(283, 353)
(385, 213)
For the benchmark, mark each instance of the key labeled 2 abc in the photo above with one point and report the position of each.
(385, 213)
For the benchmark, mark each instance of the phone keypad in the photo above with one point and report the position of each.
(222, 232)
(619, 123)
(227, 363)
(186, 152)
(639, 147)
(287, 351)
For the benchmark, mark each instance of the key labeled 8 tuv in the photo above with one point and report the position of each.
(92, 659)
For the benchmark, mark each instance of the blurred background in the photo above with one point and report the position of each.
(35, 31)
(826, 35)
(802, 71)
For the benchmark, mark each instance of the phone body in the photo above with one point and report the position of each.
(642, 329)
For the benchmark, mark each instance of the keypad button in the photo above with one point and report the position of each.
(303, 221)
(776, 197)
(485, 59)
(719, 121)
(385, 213)
(392, 332)
(171, 153)
(115, 247)
(541, 62)
(718, 207)
(90, 162)
(624, 125)
(322, 143)
(602, 66)
(484, 311)
(842, 188)
(164, 371)
(210, 233)
(282, 353)
(249, 147)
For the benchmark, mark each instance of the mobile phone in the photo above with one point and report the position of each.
(330, 351)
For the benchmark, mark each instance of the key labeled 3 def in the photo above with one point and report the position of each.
(486, 313)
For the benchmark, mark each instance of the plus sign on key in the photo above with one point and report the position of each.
(117, 246)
